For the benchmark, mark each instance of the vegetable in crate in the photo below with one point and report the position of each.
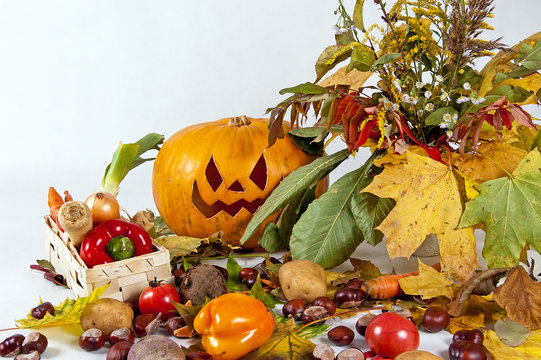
(112, 240)
(213, 176)
(232, 325)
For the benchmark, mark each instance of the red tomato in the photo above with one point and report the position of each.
(390, 334)
(157, 298)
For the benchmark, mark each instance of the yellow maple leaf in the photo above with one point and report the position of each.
(531, 83)
(428, 201)
(480, 169)
(531, 349)
(478, 310)
(430, 283)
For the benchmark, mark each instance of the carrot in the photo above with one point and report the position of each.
(387, 286)
(67, 196)
(384, 287)
(54, 201)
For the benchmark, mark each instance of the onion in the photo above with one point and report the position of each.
(103, 206)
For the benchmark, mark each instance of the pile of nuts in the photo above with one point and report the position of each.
(24, 348)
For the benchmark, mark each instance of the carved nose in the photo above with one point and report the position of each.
(236, 186)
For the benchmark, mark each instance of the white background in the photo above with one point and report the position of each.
(77, 77)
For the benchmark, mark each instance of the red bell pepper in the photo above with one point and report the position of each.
(94, 246)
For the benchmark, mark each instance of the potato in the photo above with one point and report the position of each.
(417, 355)
(107, 315)
(302, 279)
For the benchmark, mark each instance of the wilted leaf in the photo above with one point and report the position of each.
(160, 227)
(520, 297)
(179, 245)
(368, 270)
(480, 169)
(428, 201)
(284, 344)
(354, 78)
(478, 311)
(430, 283)
(510, 208)
(530, 350)
(511, 333)
(322, 66)
(482, 283)
(68, 312)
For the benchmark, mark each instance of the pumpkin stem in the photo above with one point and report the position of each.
(240, 121)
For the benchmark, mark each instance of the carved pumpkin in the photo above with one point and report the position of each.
(213, 176)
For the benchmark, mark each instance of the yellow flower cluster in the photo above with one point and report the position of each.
(342, 51)
(381, 123)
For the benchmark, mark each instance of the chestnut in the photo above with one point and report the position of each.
(323, 352)
(34, 355)
(462, 350)
(122, 334)
(348, 297)
(250, 280)
(11, 346)
(34, 341)
(198, 355)
(341, 335)
(474, 335)
(174, 323)
(119, 351)
(42, 309)
(178, 274)
(355, 283)
(222, 271)
(313, 313)
(326, 303)
(245, 272)
(293, 308)
(435, 319)
(92, 340)
(362, 323)
(133, 303)
(350, 354)
(141, 322)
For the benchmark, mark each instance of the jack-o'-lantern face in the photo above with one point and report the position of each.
(257, 177)
(213, 177)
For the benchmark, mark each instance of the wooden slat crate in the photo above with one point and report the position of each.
(126, 278)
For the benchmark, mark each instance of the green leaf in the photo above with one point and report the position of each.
(515, 94)
(358, 15)
(385, 59)
(233, 282)
(369, 211)
(303, 140)
(67, 313)
(537, 142)
(436, 117)
(511, 333)
(510, 208)
(345, 38)
(530, 57)
(257, 292)
(187, 312)
(306, 88)
(362, 59)
(160, 227)
(46, 265)
(321, 64)
(297, 182)
(336, 235)
(127, 157)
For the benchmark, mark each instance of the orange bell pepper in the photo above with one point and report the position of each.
(232, 325)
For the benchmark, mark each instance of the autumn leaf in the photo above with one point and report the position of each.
(519, 296)
(482, 283)
(477, 312)
(529, 350)
(284, 344)
(367, 268)
(187, 311)
(68, 312)
(430, 283)
(179, 245)
(354, 78)
(480, 169)
(428, 201)
(510, 208)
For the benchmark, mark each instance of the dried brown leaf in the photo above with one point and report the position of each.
(482, 283)
(520, 296)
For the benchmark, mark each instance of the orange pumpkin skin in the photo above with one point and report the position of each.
(229, 152)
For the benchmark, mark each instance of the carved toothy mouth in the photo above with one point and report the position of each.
(210, 210)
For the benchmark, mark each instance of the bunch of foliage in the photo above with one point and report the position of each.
(451, 148)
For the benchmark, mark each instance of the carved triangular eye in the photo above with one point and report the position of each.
(236, 187)
(213, 175)
(259, 173)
